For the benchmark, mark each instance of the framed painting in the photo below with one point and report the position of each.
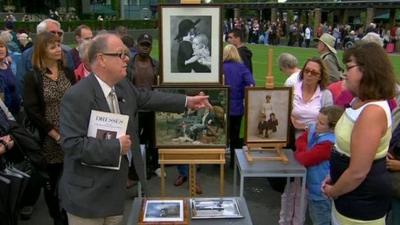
(204, 128)
(267, 115)
(190, 44)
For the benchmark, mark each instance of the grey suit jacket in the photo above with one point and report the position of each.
(92, 192)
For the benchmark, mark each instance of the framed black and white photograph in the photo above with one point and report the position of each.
(267, 115)
(163, 211)
(190, 44)
(213, 208)
(204, 128)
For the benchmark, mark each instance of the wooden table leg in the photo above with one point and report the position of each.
(192, 180)
(162, 180)
(221, 179)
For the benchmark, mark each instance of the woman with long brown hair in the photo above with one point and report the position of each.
(359, 182)
(43, 89)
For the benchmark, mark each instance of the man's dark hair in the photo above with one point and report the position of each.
(128, 41)
(78, 30)
(237, 33)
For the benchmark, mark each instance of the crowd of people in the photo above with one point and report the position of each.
(301, 35)
(341, 118)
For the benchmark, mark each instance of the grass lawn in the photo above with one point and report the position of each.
(260, 59)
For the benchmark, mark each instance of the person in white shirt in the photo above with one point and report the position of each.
(307, 36)
(288, 65)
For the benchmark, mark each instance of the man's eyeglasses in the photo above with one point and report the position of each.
(312, 72)
(121, 55)
(59, 33)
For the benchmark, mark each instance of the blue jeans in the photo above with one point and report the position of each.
(183, 170)
(320, 211)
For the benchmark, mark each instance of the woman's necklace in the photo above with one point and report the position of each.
(52, 74)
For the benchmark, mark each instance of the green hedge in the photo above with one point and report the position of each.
(94, 24)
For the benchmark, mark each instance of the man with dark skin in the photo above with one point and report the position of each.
(142, 72)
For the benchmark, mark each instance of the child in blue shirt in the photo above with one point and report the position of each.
(313, 150)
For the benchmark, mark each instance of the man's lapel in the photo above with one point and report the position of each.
(100, 99)
(123, 109)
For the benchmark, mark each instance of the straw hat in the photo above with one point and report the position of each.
(329, 41)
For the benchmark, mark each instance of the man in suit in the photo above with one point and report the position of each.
(89, 194)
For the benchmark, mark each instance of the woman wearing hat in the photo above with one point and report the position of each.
(185, 36)
(327, 53)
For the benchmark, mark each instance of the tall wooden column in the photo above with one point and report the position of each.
(236, 13)
(273, 15)
(317, 20)
(370, 16)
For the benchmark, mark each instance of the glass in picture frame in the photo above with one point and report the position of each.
(212, 208)
(164, 212)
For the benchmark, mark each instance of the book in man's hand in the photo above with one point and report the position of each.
(107, 126)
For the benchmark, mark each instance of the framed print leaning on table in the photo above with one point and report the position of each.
(191, 44)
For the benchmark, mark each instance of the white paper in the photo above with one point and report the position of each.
(104, 125)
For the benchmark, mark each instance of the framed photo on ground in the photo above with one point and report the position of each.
(190, 44)
(267, 115)
(202, 128)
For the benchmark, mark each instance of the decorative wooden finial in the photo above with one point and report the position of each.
(269, 79)
(190, 1)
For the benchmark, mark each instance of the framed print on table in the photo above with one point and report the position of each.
(190, 44)
(202, 128)
(267, 115)
(164, 212)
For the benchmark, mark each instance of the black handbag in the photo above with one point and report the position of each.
(30, 128)
(26, 147)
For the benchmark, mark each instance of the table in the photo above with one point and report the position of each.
(268, 169)
(246, 220)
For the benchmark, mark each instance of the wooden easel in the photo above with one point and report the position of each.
(277, 147)
(192, 156)
(190, 1)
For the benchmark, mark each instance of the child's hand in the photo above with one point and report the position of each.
(392, 164)
(326, 186)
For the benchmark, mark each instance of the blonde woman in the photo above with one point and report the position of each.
(237, 76)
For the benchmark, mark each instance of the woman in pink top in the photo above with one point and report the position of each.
(310, 95)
